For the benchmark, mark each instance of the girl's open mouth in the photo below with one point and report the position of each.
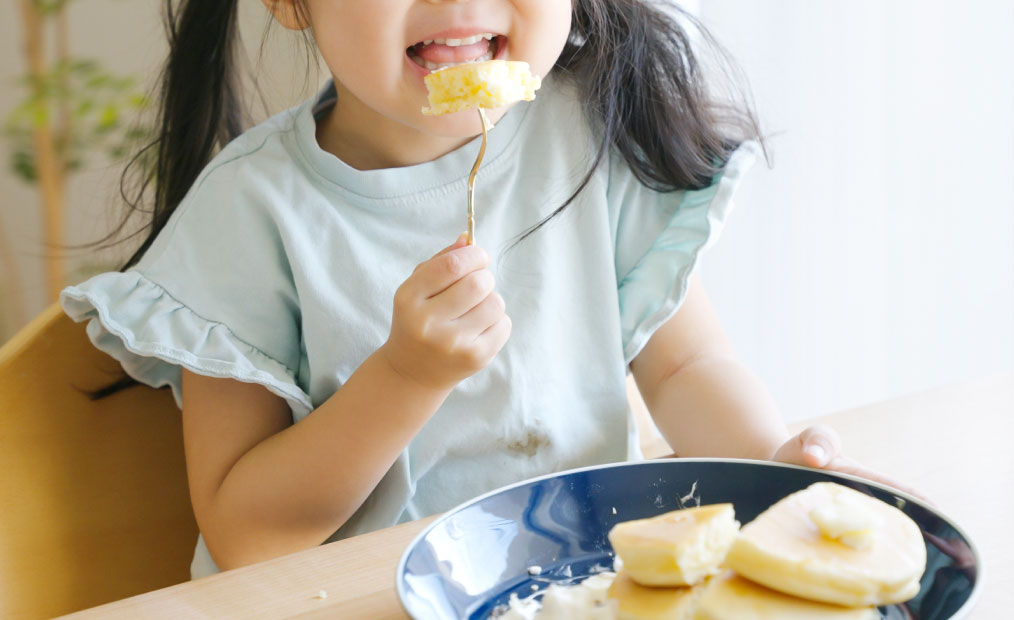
(436, 54)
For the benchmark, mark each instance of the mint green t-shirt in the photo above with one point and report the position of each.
(280, 266)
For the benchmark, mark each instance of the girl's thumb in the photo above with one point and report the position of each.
(816, 446)
(461, 241)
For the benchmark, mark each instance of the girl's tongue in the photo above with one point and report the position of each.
(439, 53)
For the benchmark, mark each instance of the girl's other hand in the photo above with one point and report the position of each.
(448, 322)
(819, 446)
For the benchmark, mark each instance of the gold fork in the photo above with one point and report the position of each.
(471, 177)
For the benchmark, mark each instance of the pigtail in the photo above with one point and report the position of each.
(200, 110)
(636, 71)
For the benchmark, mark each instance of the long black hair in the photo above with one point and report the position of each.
(632, 60)
(200, 109)
(634, 64)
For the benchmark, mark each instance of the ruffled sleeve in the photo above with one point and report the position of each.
(659, 239)
(213, 294)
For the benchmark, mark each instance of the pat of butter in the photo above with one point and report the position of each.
(844, 520)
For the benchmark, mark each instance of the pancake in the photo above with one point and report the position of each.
(677, 548)
(731, 597)
(832, 544)
(488, 84)
(637, 602)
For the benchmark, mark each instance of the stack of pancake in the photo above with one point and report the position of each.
(826, 552)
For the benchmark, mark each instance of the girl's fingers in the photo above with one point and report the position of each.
(496, 335)
(482, 315)
(819, 446)
(445, 269)
(815, 446)
(461, 297)
(846, 465)
(461, 241)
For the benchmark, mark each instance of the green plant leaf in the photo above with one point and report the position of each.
(109, 117)
(23, 166)
(48, 8)
(105, 112)
(84, 107)
(40, 114)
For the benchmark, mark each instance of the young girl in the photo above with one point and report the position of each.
(339, 372)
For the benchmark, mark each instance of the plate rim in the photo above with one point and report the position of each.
(958, 615)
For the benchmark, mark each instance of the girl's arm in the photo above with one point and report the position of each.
(262, 487)
(703, 400)
(706, 403)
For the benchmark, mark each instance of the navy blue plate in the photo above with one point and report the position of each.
(469, 561)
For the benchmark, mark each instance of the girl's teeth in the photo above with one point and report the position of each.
(457, 42)
(433, 66)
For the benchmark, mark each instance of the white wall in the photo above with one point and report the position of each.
(877, 256)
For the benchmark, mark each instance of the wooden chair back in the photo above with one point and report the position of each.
(94, 505)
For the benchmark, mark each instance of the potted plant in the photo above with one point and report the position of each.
(72, 109)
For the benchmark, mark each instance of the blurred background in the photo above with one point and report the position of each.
(873, 259)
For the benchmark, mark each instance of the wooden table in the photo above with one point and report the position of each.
(954, 444)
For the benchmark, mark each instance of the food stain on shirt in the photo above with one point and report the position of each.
(528, 445)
